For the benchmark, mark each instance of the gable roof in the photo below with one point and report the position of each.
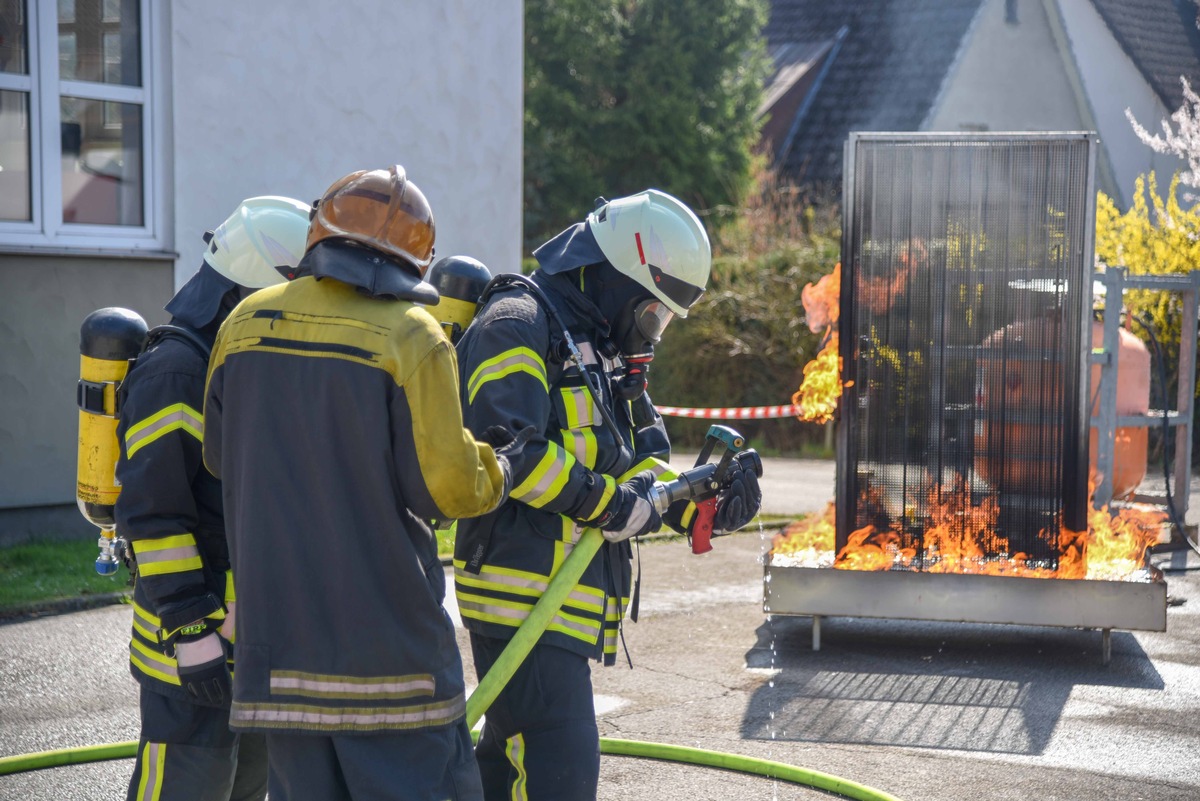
(792, 61)
(884, 76)
(1162, 39)
(798, 68)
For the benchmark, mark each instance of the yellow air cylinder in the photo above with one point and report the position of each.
(459, 280)
(108, 339)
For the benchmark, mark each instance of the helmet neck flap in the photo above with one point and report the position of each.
(206, 299)
(368, 270)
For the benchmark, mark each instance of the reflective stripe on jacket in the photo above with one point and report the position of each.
(565, 478)
(333, 419)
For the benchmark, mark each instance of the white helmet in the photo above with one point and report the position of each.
(659, 242)
(263, 235)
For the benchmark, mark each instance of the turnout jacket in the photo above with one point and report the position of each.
(514, 374)
(332, 418)
(169, 508)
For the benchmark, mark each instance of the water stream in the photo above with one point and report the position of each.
(764, 539)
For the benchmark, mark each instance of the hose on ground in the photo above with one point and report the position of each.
(22, 763)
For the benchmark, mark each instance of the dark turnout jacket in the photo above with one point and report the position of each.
(169, 508)
(513, 374)
(332, 418)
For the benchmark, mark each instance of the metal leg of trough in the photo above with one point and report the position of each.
(1105, 646)
(816, 632)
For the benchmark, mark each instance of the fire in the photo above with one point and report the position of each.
(870, 549)
(808, 541)
(878, 293)
(821, 388)
(957, 530)
(821, 307)
(818, 395)
(1115, 546)
(955, 533)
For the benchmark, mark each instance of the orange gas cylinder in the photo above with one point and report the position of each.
(1018, 400)
(1133, 397)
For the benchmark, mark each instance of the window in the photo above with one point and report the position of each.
(78, 125)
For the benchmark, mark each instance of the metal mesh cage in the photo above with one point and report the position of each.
(965, 303)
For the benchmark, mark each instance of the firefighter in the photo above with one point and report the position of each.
(170, 511)
(604, 291)
(332, 416)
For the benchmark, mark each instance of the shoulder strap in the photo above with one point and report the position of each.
(155, 334)
(508, 279)
(179, 332)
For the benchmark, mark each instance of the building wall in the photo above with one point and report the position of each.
(1008, 77)
(264, 99)
(271, 100)
(43, 299)
(1113, 83)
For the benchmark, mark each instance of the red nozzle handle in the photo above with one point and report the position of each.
(702, 530)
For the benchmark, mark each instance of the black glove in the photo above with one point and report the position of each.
(508, 449)
(739, 501)
(630, 513)
(203, 671)
(504, 443)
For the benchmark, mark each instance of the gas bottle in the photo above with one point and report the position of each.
(108, 339)
(1024, 390)
(459, 280)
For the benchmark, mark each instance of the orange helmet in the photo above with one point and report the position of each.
(381, 209)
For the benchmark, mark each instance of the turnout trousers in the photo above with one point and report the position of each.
(539, 738)
(186, 752)
(435, 765)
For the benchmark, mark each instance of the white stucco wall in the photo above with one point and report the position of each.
(1113, 83)
(279, 97)
(1008, 77)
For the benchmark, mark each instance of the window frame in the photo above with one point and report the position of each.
(47, 230)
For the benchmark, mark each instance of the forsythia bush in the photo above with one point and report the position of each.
(1167, 241)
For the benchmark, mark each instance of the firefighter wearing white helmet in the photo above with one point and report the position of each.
(659, 242)
(170, 510)
(263, 234)
(566, 351)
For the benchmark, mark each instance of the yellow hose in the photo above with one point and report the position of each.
(531, 630)
(22, 763)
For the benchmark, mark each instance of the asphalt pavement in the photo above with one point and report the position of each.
(927, 712)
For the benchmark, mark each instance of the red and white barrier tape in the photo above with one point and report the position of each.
(742, 413)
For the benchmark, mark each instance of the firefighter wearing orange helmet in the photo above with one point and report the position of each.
(332, 416)
(170, 512)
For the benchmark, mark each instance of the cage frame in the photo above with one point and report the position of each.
(1076, 433)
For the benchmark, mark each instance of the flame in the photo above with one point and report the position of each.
(879, 293)
(821, 307)
(871, 549)
(821, 388)
(818, 395)
(809, 540)
(1115, 545)
(955, 532)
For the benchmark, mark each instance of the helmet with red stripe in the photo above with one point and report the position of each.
(659, 242)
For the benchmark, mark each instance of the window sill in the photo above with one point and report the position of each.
(145, 254)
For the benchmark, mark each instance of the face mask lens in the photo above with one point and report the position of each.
(651, 318)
